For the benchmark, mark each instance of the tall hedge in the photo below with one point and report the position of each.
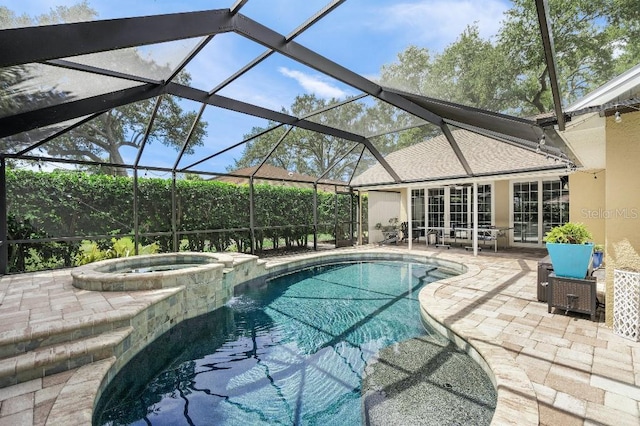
(74, 204)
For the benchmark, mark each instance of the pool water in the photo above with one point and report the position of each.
(289, 351)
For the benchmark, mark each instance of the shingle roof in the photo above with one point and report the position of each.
(434, 159)
(270, 174)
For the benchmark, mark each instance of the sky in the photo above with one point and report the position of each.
(361, 35)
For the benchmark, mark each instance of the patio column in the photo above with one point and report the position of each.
(475, 218)
(409, 219)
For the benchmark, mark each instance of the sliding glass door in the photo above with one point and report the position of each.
(452, 207)
(525, 213)
(536, 212)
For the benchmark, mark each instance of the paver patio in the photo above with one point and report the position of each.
(580, 371)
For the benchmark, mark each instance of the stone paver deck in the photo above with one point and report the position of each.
(579, 371)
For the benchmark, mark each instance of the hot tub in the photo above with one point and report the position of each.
(151, 272)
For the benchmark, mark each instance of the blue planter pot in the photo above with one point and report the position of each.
(570, 260)
(597, 259)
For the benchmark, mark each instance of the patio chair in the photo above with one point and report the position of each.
(404, 228)
(389, 237)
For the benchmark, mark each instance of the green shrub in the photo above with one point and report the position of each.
(62, 204)
(122, 247)
(569, 233)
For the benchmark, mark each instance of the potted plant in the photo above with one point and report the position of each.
(392, 226)
(598, 253)
(570, 249)
(390, 231)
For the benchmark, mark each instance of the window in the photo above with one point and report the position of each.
(435, 205)
(555, 204)
(484, 206)
(417, 211)
(525, 212)
(458, 207)
(538, 206)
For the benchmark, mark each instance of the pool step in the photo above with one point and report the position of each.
(18, 341)
(46, 360)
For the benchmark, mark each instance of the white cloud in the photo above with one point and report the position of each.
(314, 84)
(438, 23)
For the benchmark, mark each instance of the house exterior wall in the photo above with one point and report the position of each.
(404, 208)
(383, 205)
(587, 203)
(622, 223)
(502, 201)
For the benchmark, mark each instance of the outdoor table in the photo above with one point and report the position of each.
(491, 234)
(487, 233)
(439, 230)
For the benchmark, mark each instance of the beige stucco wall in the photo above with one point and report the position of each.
(501, 208)
(383, 205)
(587, 202)
(403, 205)
(622, 221)
(501, 197)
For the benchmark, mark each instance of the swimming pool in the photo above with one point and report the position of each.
(290, 350)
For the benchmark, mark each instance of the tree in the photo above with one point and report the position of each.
(102, 138)
(469, 66)
(626, 34)
(411, 72)
(16, 82)
(463, 72)
(312, 153)
(594, 41)
(305, 151)
(589, 37)
(385, 119)
(76, 13)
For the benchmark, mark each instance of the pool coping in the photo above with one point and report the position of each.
(114, 274)
(516, 401)
(516, 398)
